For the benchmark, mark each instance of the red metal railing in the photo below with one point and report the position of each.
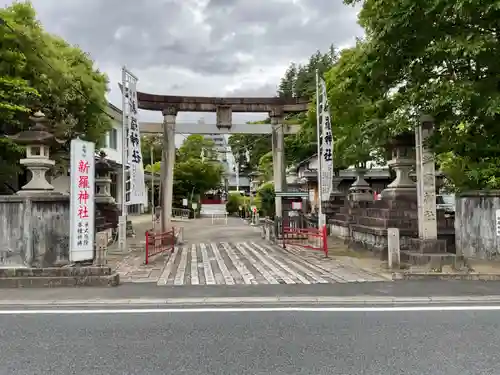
(158, 243)
(309, 238)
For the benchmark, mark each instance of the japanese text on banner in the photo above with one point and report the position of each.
(135, 162)
(326, 143)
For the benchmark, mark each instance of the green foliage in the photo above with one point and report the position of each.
(155, 168)
(266, 196)
(233, 203)
(196, 146)
(148, 142)
(192, 175)
(40, 70)
(265, 166)
(195, 176)
(255, 145)
(437, 57)
(299, 81)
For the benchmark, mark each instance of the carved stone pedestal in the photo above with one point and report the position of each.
(403, 161)
(365, 224)
(360, 190)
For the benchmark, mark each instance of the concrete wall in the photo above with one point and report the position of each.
(34, 232)
(475, 225)
(115, 154)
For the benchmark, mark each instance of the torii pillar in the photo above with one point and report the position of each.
(278, 143)
(167, 167)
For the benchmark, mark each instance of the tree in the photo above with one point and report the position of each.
(153, 141)
(353, 110)
(196, 146)
(266, 195)
(439, 58)
(266, 166)
(194, 174)
(252, 145)
(41, 71)
(299, 81)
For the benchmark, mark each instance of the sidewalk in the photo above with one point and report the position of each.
(422, 289)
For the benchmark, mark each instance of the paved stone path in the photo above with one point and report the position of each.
(252, 263)
(235, 254)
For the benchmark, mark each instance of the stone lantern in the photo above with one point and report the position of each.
(403, 162)
(37, 141)
(103, 180)
(360, 190)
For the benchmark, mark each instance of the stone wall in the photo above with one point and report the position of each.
(34, 231)
(476, 226)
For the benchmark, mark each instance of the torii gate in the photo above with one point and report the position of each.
(224, 107)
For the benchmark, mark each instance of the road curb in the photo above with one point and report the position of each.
(237, 301)
(445, 276)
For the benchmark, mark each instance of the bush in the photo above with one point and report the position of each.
(233, 203)
(266, 195)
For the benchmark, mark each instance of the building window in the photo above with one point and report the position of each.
(113, 139)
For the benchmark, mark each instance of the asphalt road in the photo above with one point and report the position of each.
(215, 342)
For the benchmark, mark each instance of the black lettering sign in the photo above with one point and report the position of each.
(134, 139)
(136, 157)
(328, 125)
(327, 155)
(133, 124)
(133, 106)
(328, 138)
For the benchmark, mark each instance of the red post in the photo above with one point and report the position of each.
(325, 240)
(147, 247)
(283, 231)
(173, 240)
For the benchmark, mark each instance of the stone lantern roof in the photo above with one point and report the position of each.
(102, 165)
(38, 134)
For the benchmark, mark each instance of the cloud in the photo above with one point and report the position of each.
(200, 47)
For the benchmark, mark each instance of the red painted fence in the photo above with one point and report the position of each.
(158, 243)
(309, 238)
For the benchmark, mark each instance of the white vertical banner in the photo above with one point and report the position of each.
(136, 193)
(326, 143)
(82, 201)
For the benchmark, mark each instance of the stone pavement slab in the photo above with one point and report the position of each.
(234, 254)
(256, 263)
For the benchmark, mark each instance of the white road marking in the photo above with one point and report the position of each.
(268, 264)
(207, 268)
(295, 251)
(247, 276)
(168, 268)
(181, 270)
(307, 268)
(195, 280)
(258, 266)
(220, 261)
(290, 266)
(254, 309)
(291, 272)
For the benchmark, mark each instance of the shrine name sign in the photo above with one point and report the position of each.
(82, 201)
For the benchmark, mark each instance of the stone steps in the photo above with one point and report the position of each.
(433, 260)
(58, 277)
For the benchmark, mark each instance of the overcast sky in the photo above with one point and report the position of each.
(200, 47)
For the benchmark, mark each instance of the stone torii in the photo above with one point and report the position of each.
(170, 106)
